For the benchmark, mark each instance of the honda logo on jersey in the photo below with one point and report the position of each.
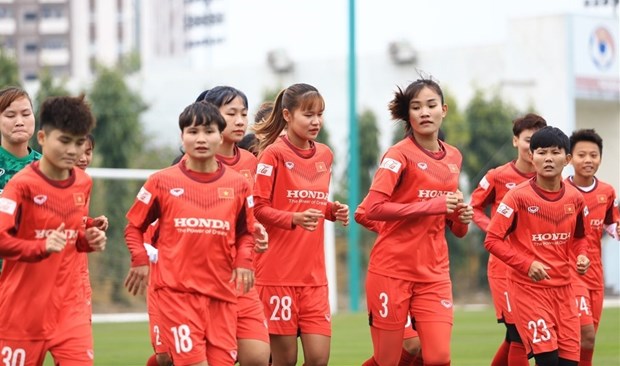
(550, 238)
(429, 193)
(264, 169)
(304, 193)
(44, 233)
(199, 222)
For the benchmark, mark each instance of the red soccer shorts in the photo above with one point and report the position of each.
(196, 328)
(409, 331)
(290, 309)
(391, 300)
(251, 322)
(155, 322)
(501, 299)
(69, 345)
(546, 319)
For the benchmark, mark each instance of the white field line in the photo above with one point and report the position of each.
(610, 302)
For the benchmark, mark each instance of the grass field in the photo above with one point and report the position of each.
(474, 341)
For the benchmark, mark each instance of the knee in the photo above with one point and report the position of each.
(437, 358)
(412, 345)
(163, 359)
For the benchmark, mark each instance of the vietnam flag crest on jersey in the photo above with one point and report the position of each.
(223, 192)
(569, 208)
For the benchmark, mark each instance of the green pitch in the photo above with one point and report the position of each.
(475, 338)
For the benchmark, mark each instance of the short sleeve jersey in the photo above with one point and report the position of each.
(198, 221)
(414, 249)
(542, 229)
(603, 210)
(490, 191)
(10, 164)
(35, 297)
(243, 161)
(293, 182)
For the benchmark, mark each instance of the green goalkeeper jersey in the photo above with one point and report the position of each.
(10, 165)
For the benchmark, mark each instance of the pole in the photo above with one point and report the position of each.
(354, 167)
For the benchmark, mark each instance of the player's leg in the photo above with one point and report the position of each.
(182, 318)
(411, 346)
(26, 353)
(221, 329)
(315, 324)
(161, 356)
(517, 355)
(252, 332)
(586, 320)
(432, 314)
(568, 326)
(388, 302)
(499, 295)
(282, 313)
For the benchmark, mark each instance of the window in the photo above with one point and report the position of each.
(6, 12)
(30, 47)
(30, 16)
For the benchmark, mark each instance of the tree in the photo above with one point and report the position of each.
(48, 87)
(119, 139)
(9, 70)
(487, 144)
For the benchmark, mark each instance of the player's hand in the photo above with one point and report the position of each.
(96, 239)
(583, 263)
(137, 279)
(261, 238)
(309, 219)
(341, 212)
(465, 212)
(452, 200)
(243, 278)
(538, 271)
(56, 240)
(459, 196)
(101, 222)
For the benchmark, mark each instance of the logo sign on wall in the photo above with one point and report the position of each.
(602, 48)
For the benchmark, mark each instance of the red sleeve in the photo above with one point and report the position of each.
(268, 215)
(244, 241)
(360, 218)
(82, 244)
(612, 214)
(89, 222)
(457, 227)
(135, 243)
(329, 212)
(582, 232)
(381, 209)
(482, 197)
(15, 249)
(500, 248)
(501, 225)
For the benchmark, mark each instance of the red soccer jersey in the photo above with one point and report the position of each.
(603, 210)
(529, 225)
(243, 162)
(490, 192)
(201, 218)
(415, 248)
(36, 297)
(291, 180)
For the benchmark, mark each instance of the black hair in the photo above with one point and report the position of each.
(549, 137)
(68, 114)
(399, 105)
(201, 114)
(530, 121)
(222, 95)
(588, 135)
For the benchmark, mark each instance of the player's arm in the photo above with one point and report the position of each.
(360, 218)
(580, 240)
(459, 220)
(612, 218)
(502, 224)
(144, 211)
(266, 173)
(482, 197)
(243, 274)
(336, 211)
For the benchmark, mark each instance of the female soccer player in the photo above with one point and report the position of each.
(252, 333)
(415, 194)
(291, 190)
